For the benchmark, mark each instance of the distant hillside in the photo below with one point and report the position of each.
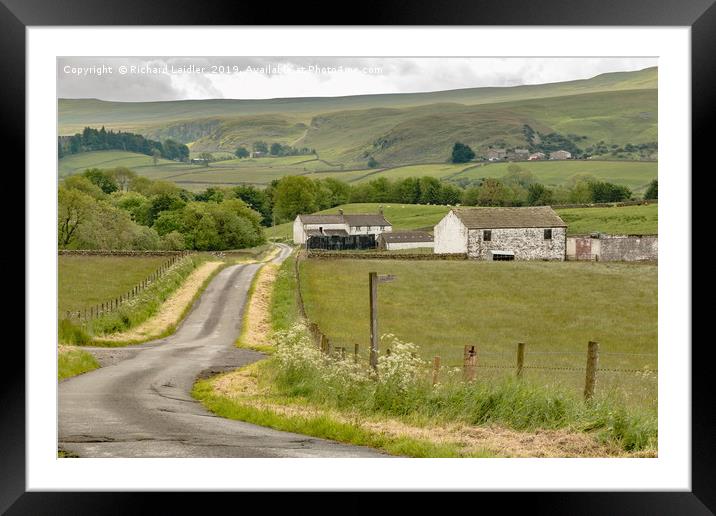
(616, 108)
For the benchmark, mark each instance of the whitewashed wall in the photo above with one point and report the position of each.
(450, 235)
(299, 229)
(370, 230)
(393, 246)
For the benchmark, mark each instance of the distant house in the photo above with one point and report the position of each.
(530, 233)
(340, 231)
(520, 154)
(496, 154)
(537, 156)
(199, 161)
(257, 154)
(560, 154)
(404, 240)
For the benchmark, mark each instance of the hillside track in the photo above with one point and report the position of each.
(142, 406)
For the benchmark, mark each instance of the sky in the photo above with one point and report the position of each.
(142, 79)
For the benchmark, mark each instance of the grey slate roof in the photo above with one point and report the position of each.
(369, 219)
(354, 220)
(528, 217)
(406, 236)
(327, 232)
(322, 219)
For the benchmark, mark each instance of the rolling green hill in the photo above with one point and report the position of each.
(74, 114)
(395, 129)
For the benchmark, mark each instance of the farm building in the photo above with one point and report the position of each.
(519, 154)
(560, 154)
(340, 231)
(496, 154)
(404, 240)
(537, 156)
(533, 233)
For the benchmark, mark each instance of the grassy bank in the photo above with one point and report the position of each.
(72, 361)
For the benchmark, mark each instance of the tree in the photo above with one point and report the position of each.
(608, 192)
(652, 192)
(261, 147)
(155, 156)
(206, 157)
(102, 179)
(257, 200)
(462, 153)
(294, 195)
(372, 162)
(539, 195)
(122, 177)
(74, 209)
(276, 149)
(493, 193)
(84, 185)
(242, 152)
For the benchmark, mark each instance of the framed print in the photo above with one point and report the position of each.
(273, 257)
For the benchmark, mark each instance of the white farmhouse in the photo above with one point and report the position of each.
(533, 233)
(339, 225)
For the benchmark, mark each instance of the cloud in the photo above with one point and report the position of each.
(179, 78)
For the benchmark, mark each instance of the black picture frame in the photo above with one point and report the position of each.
(700, 15)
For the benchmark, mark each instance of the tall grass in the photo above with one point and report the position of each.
(134, 311)
(284, 309)
(71, 362)
(402, 388)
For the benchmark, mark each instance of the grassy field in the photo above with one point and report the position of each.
(635, 174)
(629, 220)
(613, 220)
(84, 281)
(261, 171)
(442, 306)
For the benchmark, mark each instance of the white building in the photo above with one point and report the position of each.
(339, 225)
(394, 240)
(533, 233)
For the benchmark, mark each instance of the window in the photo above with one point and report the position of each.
(548, 234)
(487, 235)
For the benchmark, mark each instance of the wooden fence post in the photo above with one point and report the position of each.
(520, 358)
(436, 369)
(592, 364)
(373, 291)
(324, 344)
(469, 362)
(355, 352)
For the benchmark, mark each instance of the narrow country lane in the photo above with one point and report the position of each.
(142, 406)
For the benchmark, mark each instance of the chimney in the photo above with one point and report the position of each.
(340, 211)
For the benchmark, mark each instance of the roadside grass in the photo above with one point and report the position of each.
(555, 308)
(84, 281)
(403, 390)
(641, 219)
(72, 361)
(321, 425)
(284, 307)
(244, 339)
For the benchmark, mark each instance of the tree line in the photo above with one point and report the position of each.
(91, 139)
(116, 209)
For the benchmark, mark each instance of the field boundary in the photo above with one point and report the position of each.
(112, 252)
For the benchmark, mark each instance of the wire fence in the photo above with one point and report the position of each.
(112, 305)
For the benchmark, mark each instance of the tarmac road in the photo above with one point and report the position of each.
(142, 407)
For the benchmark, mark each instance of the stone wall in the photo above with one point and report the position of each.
(526, 243)
(614, 248)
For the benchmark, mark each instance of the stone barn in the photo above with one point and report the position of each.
(531, 233)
